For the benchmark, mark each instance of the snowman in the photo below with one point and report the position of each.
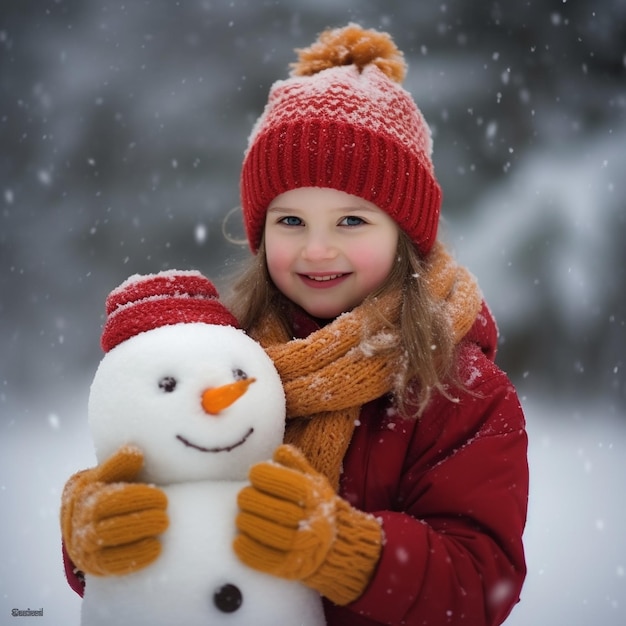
(202, 402)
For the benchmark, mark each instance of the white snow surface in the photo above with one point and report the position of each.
(575, 540)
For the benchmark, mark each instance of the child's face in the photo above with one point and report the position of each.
(327, 250)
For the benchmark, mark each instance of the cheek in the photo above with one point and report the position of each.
(278, 259)
(374, 257)
(373, 263)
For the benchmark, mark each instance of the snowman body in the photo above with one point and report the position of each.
(148, 392)
(198, 580)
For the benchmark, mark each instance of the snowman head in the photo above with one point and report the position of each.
(199, 397)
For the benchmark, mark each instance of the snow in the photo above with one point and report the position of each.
(36, 459)
(529, 127)
(575, 541)
(136, 279)
(570, 195)
(125, 404)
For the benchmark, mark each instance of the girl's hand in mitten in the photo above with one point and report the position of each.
(292, 524)
(109, 524)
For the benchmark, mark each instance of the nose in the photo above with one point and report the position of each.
(319, 246)
(217, 399)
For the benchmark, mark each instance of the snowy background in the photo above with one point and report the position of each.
(122, 128)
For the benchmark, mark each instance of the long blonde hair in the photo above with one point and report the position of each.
(424, 328)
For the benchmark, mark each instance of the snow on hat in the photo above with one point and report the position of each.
(145, 302)
(342, 120)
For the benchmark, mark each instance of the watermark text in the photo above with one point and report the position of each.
(27, 612)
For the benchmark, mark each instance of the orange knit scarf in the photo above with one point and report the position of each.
(330, 374)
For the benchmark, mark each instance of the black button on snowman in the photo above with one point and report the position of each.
(228, 598)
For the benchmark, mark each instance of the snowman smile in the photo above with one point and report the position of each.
(218, 449)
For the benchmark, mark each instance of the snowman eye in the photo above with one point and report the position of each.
(239, 374)
(167, 383)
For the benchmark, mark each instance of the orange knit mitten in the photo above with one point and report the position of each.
(292, 524)
(109, 525)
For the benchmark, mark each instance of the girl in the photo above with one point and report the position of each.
(401, 491)
(402, 494)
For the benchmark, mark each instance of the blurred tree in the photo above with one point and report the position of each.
(123, 127)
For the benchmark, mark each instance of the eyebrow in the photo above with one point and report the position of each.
(339, 209)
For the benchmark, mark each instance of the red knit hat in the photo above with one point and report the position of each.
(342, 120)
(145, 302)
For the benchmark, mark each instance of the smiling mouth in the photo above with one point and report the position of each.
(323, 279)
(320, 279)
(218, 449)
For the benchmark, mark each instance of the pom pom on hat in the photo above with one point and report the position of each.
(342, 120)
(145, 302)
(351, 46)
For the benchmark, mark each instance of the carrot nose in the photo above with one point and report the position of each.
(217, 399)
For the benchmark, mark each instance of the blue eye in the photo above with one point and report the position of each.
(352, 220)
(291, 220)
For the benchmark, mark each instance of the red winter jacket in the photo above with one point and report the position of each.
(451, 491)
